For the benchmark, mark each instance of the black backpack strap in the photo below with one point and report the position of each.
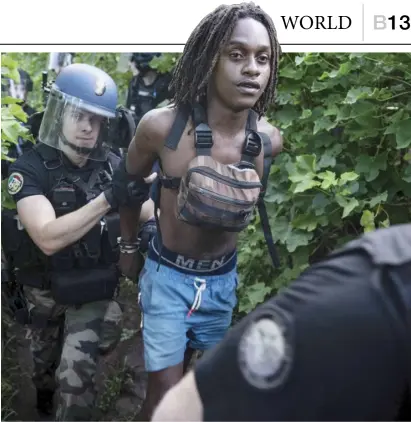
(171, 142)
(268, 159)
(253, 142)
(265, 222)
(203, 135)
(177, 129)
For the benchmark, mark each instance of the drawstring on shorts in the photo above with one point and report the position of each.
(197, 299)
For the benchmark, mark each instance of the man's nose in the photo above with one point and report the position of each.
(252, 67)
(86, 125)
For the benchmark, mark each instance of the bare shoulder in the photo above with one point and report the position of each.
(274, 134)
(148, 141)
(155, 126)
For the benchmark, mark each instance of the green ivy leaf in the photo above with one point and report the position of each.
(348, 176)
(355, 94)
(348, 204)
(382, 197)
(328, 179)
(403, 134)
(367, 221)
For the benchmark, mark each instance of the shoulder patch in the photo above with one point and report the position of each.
(265, 352)
(15, 183)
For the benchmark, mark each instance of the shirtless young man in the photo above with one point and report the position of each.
(229, 65)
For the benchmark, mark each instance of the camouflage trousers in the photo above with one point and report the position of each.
(65, 344)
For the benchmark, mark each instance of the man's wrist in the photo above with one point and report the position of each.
(105, 201)
(128, 247)
(109, 199)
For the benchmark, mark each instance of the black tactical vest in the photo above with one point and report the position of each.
(142, 98)
(67, 192)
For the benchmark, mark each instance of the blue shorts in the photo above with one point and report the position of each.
(182, 307)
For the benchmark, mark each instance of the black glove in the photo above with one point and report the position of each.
(126, 191)
(146, 233)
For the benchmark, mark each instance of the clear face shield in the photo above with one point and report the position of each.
(75, 127)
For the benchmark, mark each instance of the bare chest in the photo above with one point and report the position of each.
(225, 150)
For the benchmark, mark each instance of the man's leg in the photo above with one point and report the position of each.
(76, 373)
(45, 333)
(164, 307)
(188, 356)
(211, 321)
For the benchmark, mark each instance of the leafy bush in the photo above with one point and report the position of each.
(345, 167)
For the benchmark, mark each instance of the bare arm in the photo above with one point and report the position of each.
(275, 136)
(142, 154)
(147, 211)
(181, 403)
(52, 234)
(276, 141)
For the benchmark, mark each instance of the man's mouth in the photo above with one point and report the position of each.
(249, 86)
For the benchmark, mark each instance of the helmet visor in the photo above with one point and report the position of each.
(77, 128)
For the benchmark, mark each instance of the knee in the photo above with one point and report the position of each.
(78, 364)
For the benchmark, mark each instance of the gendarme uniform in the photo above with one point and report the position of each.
(72, 314)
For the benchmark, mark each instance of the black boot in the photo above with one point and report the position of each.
(45, 402)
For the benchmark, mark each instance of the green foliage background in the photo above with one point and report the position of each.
(346, 164)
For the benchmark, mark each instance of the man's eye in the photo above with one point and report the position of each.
(236, 55)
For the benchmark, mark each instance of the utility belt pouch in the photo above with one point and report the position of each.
(64, 200)
(32, 278)
(77, 286)
(110, 251)
(16, 243)
(63, 260)
(87, 251)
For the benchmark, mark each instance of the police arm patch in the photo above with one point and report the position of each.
(15, 183)
(265, 352)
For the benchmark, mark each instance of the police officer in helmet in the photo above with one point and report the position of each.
(64, 244)
(147, 88)
(20, 90)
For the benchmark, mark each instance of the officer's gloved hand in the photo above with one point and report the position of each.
(146, 233)
(125, 191)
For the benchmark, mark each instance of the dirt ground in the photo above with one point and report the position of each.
(120, 379)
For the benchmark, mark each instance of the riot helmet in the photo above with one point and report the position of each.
(80, 108)
(142, 60)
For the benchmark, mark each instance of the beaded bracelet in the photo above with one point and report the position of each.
(128, 247)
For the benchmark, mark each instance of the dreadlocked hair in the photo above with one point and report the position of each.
(202, 50)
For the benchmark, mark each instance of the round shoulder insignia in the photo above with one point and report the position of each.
(265, 352)
(15, 183)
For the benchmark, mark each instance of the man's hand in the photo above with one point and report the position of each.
(131, 264)
(125, 191)
(146, 233)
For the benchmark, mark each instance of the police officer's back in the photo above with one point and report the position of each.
(334, 345)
